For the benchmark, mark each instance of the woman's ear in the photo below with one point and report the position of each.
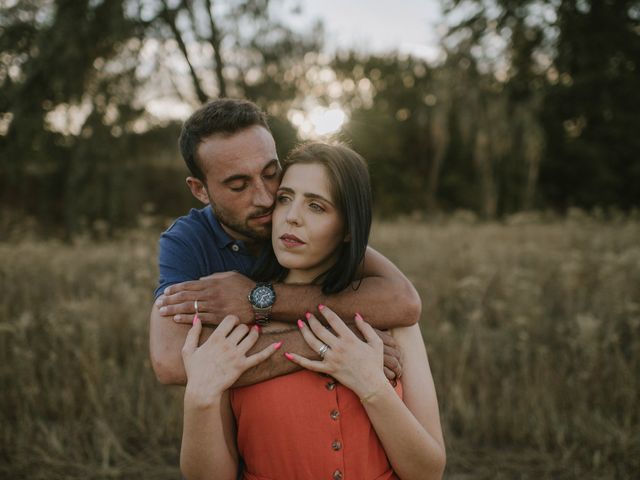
(198, 189)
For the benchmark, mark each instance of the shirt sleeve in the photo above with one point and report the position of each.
(178, 259)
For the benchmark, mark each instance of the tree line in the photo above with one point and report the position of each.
(533, 105)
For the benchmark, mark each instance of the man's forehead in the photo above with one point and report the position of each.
(245, 152)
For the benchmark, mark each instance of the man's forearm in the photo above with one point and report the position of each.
(166, 339)
(384, 297)
(276, 365)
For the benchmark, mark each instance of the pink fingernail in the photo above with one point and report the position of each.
(196, 319)
(258, 329)
(308, 315)
(301, 323)
(278, 345)
(288, 355)
(359, 317)
(320, 306)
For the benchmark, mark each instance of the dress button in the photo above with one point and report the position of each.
(235, 247)
(335, 414)
(336, 445)
(337, 475)
(330, 385)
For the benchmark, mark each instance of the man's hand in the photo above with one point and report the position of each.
(218, 295)
(392, 355)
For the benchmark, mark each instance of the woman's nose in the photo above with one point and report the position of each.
(293, 216)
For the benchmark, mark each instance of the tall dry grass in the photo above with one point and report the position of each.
(533, 332)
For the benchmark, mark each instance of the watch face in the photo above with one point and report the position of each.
(262, 297)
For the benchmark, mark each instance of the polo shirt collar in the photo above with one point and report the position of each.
(222, 238)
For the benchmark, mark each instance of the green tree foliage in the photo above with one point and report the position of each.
(75, 77)
(592, 106)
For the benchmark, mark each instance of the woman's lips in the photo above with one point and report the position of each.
(291, 240)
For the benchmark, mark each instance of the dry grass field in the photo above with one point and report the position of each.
(533, 332)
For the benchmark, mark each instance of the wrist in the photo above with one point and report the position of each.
(196, 399)
(373, 390)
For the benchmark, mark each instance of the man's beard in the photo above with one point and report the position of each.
(242, 226)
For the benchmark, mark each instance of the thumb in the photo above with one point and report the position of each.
(191, 342)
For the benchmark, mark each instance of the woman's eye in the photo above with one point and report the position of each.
(316, 207)
(282, 199)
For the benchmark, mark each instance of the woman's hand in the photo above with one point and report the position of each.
(354, 363)
(214, 366)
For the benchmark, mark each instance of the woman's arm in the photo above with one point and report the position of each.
(409, 431)
(208, 437)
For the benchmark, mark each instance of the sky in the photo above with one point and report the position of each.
(407, 26)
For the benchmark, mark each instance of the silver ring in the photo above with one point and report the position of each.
(323, 350)
(195, 304)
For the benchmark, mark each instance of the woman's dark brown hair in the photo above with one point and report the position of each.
(351, 191)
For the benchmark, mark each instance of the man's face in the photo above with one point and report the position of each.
(242, 176)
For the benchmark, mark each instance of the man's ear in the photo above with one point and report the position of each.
(347, 238)
(198, 189)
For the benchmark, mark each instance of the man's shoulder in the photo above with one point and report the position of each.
(196, 221)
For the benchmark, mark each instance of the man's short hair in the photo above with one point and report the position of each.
(225, 116)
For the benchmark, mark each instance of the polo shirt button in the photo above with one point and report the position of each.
(336, 445)
(235, 247)
(330, 385)
(337, 475)
(335, 414)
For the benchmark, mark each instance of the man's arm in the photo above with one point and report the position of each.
(384, 297)
(166, 339)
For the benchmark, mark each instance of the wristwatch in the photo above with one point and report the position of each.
(262, 297)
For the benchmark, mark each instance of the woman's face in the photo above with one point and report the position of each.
(307, 226)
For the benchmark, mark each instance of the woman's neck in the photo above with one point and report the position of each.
(304, 277)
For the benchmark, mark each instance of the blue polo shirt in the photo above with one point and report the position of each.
(196, 246)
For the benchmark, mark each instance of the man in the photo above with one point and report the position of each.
(205, 257)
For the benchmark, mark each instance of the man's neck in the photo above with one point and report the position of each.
(252, 245)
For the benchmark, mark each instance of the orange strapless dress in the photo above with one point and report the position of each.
(306, 426)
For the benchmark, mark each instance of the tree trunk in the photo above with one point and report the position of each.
(169, 17)
(440, 141)
(215, 41)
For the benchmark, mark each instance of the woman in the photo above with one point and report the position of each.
(339, 417)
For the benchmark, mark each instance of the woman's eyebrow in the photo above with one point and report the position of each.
(307, 195)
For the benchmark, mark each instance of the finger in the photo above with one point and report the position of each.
(238, 333)
(390, 374)
(309, 337)
(367, 331)
(250, 340)
(205, 318)
(193, 336)
(188, 286)
(320, 331)
(313, 365)
(334, 321)
(392, 363)
(262, 355)
(387, 350)
(226, 325)
(386, 338)
(187, 308)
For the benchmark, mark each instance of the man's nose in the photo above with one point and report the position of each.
(263, 197)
